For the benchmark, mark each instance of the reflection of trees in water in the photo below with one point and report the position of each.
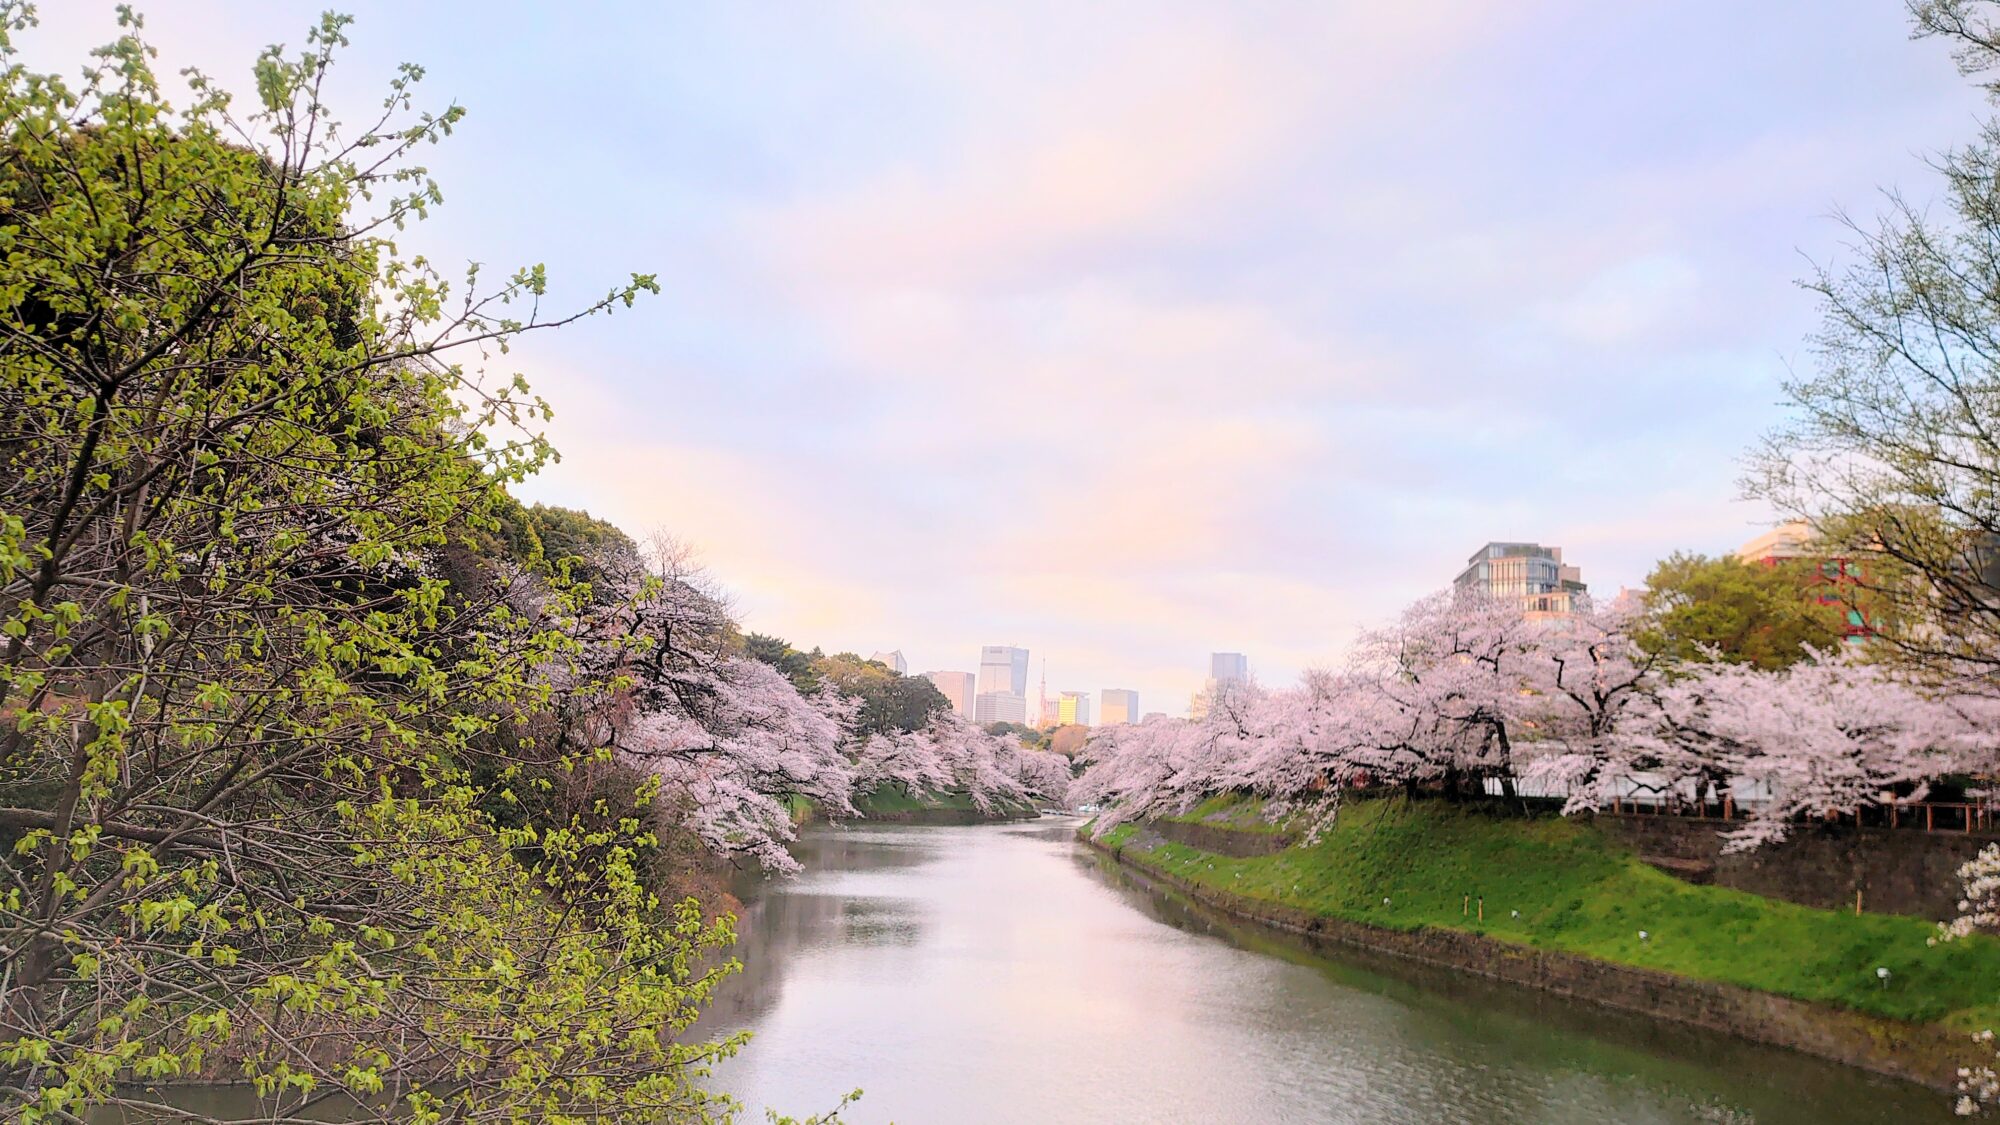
(778, 931)
(765, 954)
(229, 1103)
(867, 921)
(865, 848)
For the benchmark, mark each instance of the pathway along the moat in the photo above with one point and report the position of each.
(1005, 973)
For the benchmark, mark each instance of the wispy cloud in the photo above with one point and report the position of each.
(1132, 331)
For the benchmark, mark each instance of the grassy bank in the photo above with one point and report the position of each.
(890, 803)
(1561, 884)
(890, 799)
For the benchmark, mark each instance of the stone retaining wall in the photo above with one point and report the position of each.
(1223, 841)
(1897, 870)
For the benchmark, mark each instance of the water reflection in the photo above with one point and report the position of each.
(1004, 974)
(233, 1102)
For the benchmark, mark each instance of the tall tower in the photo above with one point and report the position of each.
(1042, 694)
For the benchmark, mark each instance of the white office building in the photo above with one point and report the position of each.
(1000, 707)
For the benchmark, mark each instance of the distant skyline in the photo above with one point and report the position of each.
(1136, 332)
(963, 688)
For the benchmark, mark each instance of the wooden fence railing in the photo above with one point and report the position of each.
(1925, 816)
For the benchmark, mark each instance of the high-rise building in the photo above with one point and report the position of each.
(1049, 713)
(892, 660)
(1000, 707)
(1119, 706)
(1003, 685)
(1528, 573)
(955, 686)
(1073, 708)
(1225, 670)
(1003, 668)
(1228, 668)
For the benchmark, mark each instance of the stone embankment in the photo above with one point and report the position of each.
(1891, 870)
(1222, 840)
(1920, 1053)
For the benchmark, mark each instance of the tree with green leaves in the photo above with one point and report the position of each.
(889, 702)
(1702, 608)
(1026, 735)
(239, 834)
(1892, 451)
(584, 548)
(1893, 447)
(802, 668)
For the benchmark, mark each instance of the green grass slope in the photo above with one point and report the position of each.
(1561, 884)
(889, 801)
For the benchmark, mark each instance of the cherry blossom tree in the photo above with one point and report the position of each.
(905, 760)
(1434, 697)
(659, 683)
(1286, 742)
(1978, 1086)
(1832, 732)
(1310, 743)
(1244, 737)
(729, 766)
(1593, 701)
(1452, 682)
(1463, 691)
(1587, 674)
(662, 682)
(1044, 775)
(1135, 771)
(991, 769)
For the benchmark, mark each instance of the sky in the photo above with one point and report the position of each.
(1132, 332)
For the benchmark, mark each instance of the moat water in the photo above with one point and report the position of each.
(1005, 973)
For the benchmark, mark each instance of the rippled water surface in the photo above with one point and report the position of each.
(1007, 974)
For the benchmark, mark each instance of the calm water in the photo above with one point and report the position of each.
(1007, 974)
